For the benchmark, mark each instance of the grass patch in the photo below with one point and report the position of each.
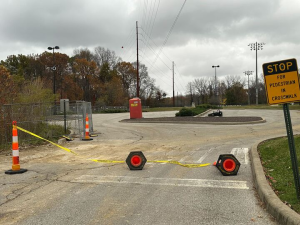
(50, 132)
(114, 111)
(276, 160)
(161, 109)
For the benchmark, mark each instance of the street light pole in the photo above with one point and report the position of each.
(248, 73)
(137, 62)
(256, 46)
(53, 67)
(173, 87)
(215, 78)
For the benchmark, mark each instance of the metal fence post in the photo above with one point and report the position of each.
(65, 117)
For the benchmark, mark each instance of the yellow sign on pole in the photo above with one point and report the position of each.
(282, 81)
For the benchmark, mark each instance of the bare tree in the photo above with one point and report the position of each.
(102, 56)
(201, 88)
(230, 80)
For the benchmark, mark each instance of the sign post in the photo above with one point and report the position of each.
(289, 131)
(282, 87)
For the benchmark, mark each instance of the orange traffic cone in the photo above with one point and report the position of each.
(87, 129)
(15, 152)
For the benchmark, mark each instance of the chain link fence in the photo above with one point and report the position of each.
(50, 120)
(44, 119)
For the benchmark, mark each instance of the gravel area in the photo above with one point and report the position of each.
(191, 120)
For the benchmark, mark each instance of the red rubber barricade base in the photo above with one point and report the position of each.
(228, 165)
(136, 160)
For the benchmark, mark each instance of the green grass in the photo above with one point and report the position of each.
(276, 160)
(161, 109)
(114, 111)
(50, 132)
(199, 110)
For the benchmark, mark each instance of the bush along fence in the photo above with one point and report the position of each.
(50, 120)
(44, 119)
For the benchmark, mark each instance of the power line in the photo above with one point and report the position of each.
(128, 49)
(154, 17)
(161, 75)
(151, 48)
(156, 68)
(155, 44)
(150, 16)
(150, 21)
(145, 12)
(154, 53)
(170, 30)
(148, 24)
(128, 37)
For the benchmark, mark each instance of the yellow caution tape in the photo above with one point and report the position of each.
(180, 164)
(28, 132)
(66, 149)
(67, 138)
(111, 161)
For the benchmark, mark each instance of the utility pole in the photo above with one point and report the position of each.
(191, 90)
(173, 87)
(256, 46)
(215, 78)
(248, 73)
(137, 62)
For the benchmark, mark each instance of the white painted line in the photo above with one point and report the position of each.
(204, 156)
(183, 159)
(229, 184)
(233, 151)
(246, 152)
(241, 154)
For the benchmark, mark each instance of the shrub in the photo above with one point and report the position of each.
(186, 112)
(196, 111)
(208, 106)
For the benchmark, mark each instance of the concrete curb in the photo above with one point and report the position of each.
(196, 122)
(280, 211)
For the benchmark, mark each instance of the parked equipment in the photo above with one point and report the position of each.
(217, 113)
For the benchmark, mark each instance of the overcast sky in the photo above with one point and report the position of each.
(207, 32)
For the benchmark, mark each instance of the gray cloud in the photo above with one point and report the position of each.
(208, 32)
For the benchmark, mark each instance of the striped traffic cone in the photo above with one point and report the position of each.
(15, 152)
(87, 130)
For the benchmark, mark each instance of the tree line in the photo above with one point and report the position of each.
(233, 90)
(103, 78)
(100, 77)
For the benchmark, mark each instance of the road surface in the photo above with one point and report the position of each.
(61, 188)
